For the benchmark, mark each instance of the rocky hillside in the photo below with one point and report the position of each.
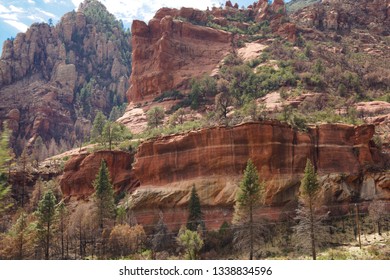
(295, 5)
(54, 78)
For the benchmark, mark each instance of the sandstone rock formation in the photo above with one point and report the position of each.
(343, 15)
(43, 71)
(176, 46)
(275, 148)
(213, 160)
(80, 172)
(165, 169)
(168, 53)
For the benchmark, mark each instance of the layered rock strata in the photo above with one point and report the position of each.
(81, 170)
(164, 170)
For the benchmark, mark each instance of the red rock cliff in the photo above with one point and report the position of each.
(80, 172)
(275, 148)
(167, 53)
(214, 159)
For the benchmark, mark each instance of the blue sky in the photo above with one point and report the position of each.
(17, 15)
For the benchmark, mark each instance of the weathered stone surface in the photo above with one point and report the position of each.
(342, 15)
(275, 148)
(213, 160)
(168, 53)
(42, 70)
(80, 172)
(165, 169)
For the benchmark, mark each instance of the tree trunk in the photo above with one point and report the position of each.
(47, 241)
(62, 240)
(251, 231)
(312, 236)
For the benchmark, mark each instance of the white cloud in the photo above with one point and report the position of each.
(16, 9)
(36, 18)
(144, 10)
(31, 2)
(9, 16)
(46, 13)
(17, 24)
(3, 9)
(47, 1)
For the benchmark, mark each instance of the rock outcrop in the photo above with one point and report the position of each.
(177, 46)
(275, 148)
(168, 53)
(164, 170)
(343, 15)
(80, 172)
(43, 73)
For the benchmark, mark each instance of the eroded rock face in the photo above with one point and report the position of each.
(342, 15)
(80, 172)
(168, 53)
(214, 159)
(43, 71)
(275, 148)
(161, 174)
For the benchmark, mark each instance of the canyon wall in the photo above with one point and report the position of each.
(168, 53)
(80, 171)
(349, 166)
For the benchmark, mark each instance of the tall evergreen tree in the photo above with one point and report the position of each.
(104, 195)
(62, 217)
(309, 227)
(20, 231)
(249, 197)
(114, 132)
(46, 213)
(195, 217)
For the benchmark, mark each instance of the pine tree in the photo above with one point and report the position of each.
(249, 197)
(195, 217)
(114, 132)
(20, 231)
(62, 217)
(97, 128)
(104, 195)
(309, 227)
(46, 214)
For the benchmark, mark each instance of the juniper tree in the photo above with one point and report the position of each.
(155, 117)
(191, 241)
(104, 195)
(195, 217)
(249, 197)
